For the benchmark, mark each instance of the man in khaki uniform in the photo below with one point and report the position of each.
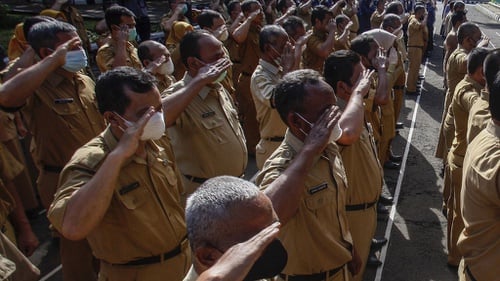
(119, 51)
(342, 35)
(351, 11)
(157, 60)
(343, 71)
(466, 94)
(479, 113)
(61, 113)
(468, 36)
(245, 213)
(247, 37)
(121, 190)
(321, 42)
(206, 135)
(478, 241)
(306, 181)
(378, 16)
(276, 60)
(417, 36)
(451, 42)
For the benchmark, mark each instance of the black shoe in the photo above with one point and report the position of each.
(381, 209)
(373, 261)
(378, 243)
(391, 165)
(396, 158)
(399, 125)
(386, 200)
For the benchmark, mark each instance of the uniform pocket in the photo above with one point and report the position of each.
(133, 195)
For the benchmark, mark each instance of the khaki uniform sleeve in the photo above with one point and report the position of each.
(104, 58)
(262, 88)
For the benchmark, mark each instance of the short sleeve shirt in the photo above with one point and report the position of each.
(106, 56)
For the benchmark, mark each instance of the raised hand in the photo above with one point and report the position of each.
(211, 71)
(319, 136)
(363, 83)
(380, 61)
(129, 142)
(154, 65)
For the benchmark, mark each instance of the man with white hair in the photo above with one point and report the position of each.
(225, 211)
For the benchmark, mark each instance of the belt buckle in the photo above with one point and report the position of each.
(366, 206)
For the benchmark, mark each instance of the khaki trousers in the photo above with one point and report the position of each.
(362, 224)
(415, 59)
(455, 220)
(247, 113)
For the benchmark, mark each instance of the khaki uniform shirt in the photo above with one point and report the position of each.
(145, 217)
(309, 57)
(9, 169)
(250, 51)
(372, 111)
(62, 115)
(164, 81)
(106, 56)
(480, 199)
(348, 11)
(317, 237)
(416, 33)
(264, 79)
(479, 115)
(337, 45)
(376, 19)
(207, 136)
(456, 69)
(362, 168)
(467, 92)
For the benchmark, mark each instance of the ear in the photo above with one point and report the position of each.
(192, 63)
(111, 118)
(146, 62)
(293, 120)
(44, 52)
(207, 256)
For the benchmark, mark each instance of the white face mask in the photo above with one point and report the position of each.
(334, 135)
(224, 35)
(166, 68)
(154, 129)
(221, 77)
(75, 60)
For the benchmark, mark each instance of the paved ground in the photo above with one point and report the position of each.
(416, 228)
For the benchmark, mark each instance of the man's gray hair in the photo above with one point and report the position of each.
(44, 34)
(210, 208)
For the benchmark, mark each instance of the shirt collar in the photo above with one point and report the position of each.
(205, 90)
(493, 128)
(270, 67)
(485, 95)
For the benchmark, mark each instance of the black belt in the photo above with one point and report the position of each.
(246, 73)
(359, 207)
(155, 259)
(52, 169)
(312, 277)
(275, 139)
(467, 270)
(196, 179)
(420, 47)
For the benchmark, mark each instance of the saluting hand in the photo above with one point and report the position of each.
(319, 136)
(60, 53)
(154, 65)
(129, 142)
(363, 84)
(211, 71)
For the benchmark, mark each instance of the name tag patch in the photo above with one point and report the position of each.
(318, 188)
(208, 114)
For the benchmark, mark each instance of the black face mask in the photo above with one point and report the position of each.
(270, 263)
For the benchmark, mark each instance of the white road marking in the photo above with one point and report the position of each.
(390, 222)
(50, 274)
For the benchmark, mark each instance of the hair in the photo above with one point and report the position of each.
(390, 20)
(144, 50)
(393, 8)
(341, 18)
(111, 85)
(189, 46)
(466, 29)
(459, 3)
(113, 15)
(232, 5)
(459, 16)
(210, 209)
(44, 34)
(418, 8)
(291, 24)
(269, 34)
(362, 44)
(475, 59)
(246, 6)
(29, 22)
(319, 13)
(207, 17)
(491, 65)
(290, 92)
(281, 5)
(339, 66)
(494, 90)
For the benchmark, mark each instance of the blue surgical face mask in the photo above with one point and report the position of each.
(132, 34)
(75, 60)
